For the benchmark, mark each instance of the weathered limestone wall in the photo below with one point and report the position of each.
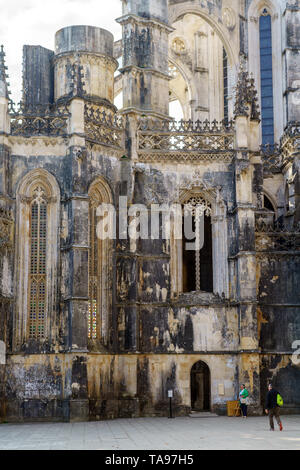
(69, 387)
(154, 333)
(279, 324)
(46, 387)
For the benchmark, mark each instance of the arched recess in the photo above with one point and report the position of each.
(197, 189)
(213, 21)
(36, 261)
(205, 77)
(180, 85)
(269, 202)
(200, 387)
(100, 268)
(254, 13)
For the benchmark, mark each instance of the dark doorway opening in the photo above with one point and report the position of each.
(200, 387)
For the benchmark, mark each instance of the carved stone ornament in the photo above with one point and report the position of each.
(195, 187)
(178, 46)
(228, 18)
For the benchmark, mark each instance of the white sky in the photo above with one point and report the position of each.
(35, 22)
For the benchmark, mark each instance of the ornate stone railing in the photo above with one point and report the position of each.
(103, 126)
(270, 238)
(185, 140)
(42, 121)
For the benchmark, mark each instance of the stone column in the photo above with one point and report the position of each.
(202, 76)
(246, 263)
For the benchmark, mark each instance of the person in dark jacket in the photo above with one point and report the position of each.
(271, 408)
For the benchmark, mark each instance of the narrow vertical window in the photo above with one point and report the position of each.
(93, 273)
(266, 72)
(38, 254)
(225, 81)
(100, 267)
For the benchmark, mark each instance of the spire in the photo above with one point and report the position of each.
(255, 112)
(4, 92)
(246, 100)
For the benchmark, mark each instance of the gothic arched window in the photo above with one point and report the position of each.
(37, 248)
(202, 267)
(100, 264)
(38, 275)
(266, 63)
(266, 76)
(197, 263)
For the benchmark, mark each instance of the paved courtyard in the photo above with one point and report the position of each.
(154, 434)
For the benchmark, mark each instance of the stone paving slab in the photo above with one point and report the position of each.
(184, 433)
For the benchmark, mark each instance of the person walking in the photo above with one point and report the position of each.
(272, 408)
(244, 400)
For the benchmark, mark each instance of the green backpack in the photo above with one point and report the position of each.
(279, 400)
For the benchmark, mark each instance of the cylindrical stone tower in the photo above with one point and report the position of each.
(84, 60)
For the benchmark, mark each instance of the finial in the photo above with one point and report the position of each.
(4, 92)
(246, 102)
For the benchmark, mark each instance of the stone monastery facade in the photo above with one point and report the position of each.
(96, 328)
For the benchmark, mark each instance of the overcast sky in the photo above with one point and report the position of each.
(35, 22)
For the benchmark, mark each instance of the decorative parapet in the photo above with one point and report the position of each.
(46, 120)
(275, 237)
(103, 126)
(163, 140)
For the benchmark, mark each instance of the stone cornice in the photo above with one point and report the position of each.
(136, 69)
(131, 18)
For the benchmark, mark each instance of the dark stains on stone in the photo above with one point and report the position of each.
(188, 336)
(79, 377)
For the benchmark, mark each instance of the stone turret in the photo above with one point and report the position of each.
(83, 64)
(145, 54)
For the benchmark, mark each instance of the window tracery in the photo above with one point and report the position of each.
(38, 253)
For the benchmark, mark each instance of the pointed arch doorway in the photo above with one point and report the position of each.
(200, 387)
